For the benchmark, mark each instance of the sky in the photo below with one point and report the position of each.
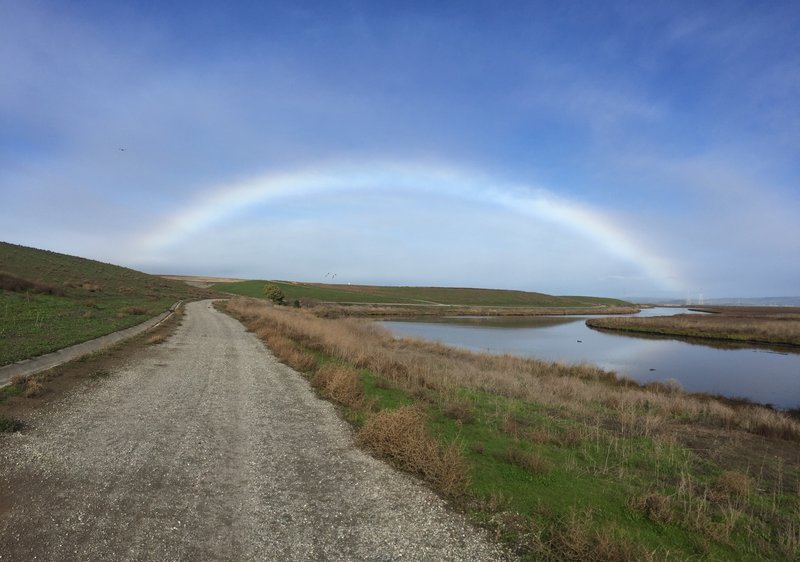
(604, 148)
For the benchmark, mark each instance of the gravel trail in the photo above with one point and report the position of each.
(207, 448)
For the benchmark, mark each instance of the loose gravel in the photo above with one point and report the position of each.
(207, 448)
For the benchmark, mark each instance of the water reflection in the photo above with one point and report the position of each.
(758, 374)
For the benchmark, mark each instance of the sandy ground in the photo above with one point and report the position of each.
(207, 448)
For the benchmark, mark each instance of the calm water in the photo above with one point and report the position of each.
(761, 375)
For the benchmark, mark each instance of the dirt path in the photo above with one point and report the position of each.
(207, 448)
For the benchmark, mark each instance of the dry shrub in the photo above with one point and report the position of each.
(156, 339)
(540, 436)
(526, 460)
(134, 310)
(340, 383)
(460, 410)
(734, 483)
(402, 436)
(301, 360)
(511, 426)
(570, 437)
(33, 388)
(285, 350)
(639, 425)
(656, 506)
(579, 539)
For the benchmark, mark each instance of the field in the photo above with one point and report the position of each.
(419, 299)
(49, 301)
(758, 325)
(561, 462)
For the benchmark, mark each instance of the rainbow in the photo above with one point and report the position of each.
(224, 202)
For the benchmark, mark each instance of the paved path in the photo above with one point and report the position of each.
(56, 358)
(207, 448)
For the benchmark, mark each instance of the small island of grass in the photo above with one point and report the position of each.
(756, 325)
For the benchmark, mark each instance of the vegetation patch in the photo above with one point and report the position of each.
(25, 394)
(15, 283)
(425, 296)
(49, 301)
(758, 325)
(9, 424)
(560, 462)
(402, 435)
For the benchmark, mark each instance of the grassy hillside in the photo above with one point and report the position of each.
(368, 294)
(50, 300)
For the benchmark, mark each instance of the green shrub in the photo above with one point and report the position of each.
(274, 293)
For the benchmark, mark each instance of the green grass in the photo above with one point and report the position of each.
(366, 294)
(92, 299)
(590, 478)
(554, 485)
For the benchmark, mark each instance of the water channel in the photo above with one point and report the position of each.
(762, 375)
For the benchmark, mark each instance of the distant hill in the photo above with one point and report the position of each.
(50, 300)
(733, 301)
(450, 296)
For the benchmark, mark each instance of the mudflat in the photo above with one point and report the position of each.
(206, 447)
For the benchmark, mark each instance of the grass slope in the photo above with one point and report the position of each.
(49, 301)
(450, 296)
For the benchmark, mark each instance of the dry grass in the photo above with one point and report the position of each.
(339, 383)
(459, 409)
(656, 506)
(15, 283)
(603, 413)
(734, 483)
(773, 325)
(333, 310)
(133, 310)
(33, 388)
(578, 537)
(526, 460)
(577, 390)
(402, 436)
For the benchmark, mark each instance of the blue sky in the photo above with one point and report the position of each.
(612, 148)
